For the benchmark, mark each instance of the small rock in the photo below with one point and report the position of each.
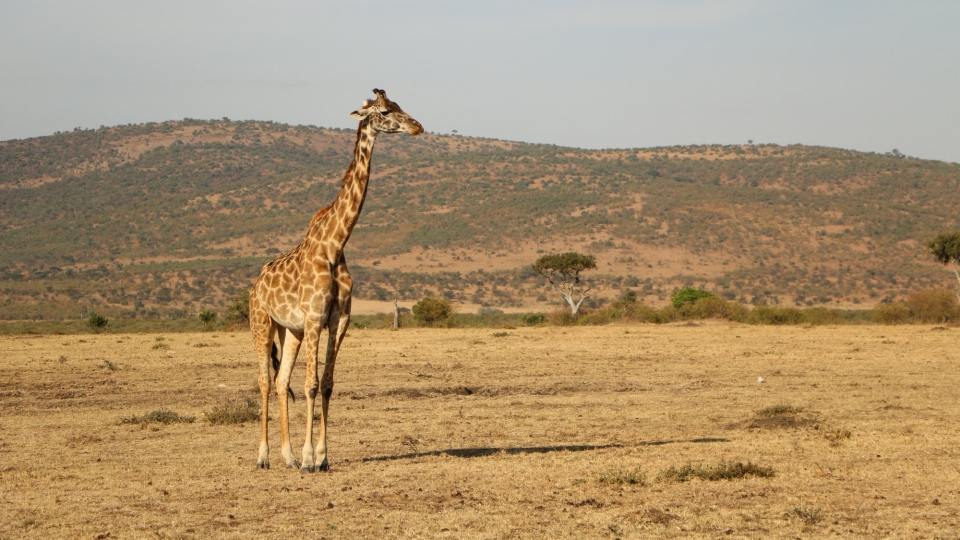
(761, 380)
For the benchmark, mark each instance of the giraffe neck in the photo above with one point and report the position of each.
(336, 224)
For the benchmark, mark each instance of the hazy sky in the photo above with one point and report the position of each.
(867, 75)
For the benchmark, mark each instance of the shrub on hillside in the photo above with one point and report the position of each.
(932, 306)
(689, 295)
(776, 315)
(97, 323)
(712, 307)
(431, 311)
(238, 311)
(532, 319)
(561, 317)
(822, 315)
(208, 318)
(892, 313)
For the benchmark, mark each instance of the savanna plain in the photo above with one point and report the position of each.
(621, 431)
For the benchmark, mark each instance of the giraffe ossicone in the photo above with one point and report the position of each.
(307, 290)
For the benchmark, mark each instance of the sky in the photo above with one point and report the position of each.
(865, 75)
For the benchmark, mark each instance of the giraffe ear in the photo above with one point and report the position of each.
(359, 114)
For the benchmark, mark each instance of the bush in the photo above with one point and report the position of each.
(893, 313)
(238, 412)
(532, 319)
(776, 315)
(927, 306)
(932, 306)
(97, 323)
(561, 317)
(622, 476)
(599, 317)
(689, 295)
(721, 471)
(207, 317)
(238, 312)
(161, 416)
(822, 315)
(627, 298)
(712, 307)
(431, 311)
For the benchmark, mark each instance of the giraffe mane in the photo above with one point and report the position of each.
(353, 163)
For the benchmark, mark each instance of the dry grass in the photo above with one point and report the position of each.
(234, 412)
(162, 416)
(543, 433)
(720, 471)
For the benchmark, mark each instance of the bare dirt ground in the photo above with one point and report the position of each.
(529, 433)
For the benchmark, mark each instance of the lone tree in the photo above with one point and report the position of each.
(96, 322)
(430, 311)
(563, 273)
(945, 248)
(689, 295)
(208, 317)
(238, 312)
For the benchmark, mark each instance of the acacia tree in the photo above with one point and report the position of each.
(563, 273)
(945, 248)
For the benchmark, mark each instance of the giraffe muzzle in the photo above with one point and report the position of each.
(414, 128)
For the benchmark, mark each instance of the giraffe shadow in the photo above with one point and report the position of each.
(490, 451)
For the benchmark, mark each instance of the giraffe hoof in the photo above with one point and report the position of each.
(293, 465)
(307, 468)
(263, 464)
(324, 466)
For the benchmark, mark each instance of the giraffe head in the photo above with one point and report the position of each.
(386, 116)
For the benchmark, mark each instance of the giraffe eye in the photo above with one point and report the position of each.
(385, 113)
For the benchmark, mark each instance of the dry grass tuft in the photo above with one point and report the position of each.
(160, 416)
(836, 436)
(655, 515)
(778, 410)
(809, 516)
(108, 365)
(82, 440)
(721, 471)
(160, 345)
(235, 412)
(622, 476)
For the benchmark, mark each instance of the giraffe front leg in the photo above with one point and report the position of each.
(334, 340)
(310, 387)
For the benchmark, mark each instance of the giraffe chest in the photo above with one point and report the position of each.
(296, 306)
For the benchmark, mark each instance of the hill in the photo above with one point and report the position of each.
(171, 218)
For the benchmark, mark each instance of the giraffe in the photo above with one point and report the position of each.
(308, 289)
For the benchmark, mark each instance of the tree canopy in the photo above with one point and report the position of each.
(565, 266)
(563, 270)
(945, 247)
(689, 295)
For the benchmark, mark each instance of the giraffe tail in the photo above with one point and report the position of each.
(276, 370)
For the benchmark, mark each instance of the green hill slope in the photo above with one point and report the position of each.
(176, 217)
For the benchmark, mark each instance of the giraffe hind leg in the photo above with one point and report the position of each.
(263, 330)
(276, 371)
(289, 348)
